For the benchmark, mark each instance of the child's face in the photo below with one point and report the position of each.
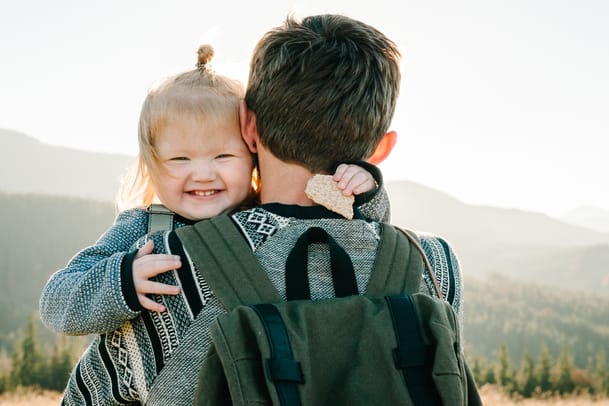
(205, 169)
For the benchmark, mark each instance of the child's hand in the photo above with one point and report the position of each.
(147, 265)
(353, 179)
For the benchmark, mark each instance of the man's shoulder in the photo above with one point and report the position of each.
(257, 225)
(430, 239)
(427, 238)
(445, 266)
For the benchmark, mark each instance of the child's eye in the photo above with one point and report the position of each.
(179, 158)
(224, 156)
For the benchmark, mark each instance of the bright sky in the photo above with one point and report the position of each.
(503, 102)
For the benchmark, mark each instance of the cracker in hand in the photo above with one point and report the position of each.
(323, 190)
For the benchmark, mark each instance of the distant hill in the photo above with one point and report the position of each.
(524, 245)
(29, 166)
(427, 209)
(590, 217)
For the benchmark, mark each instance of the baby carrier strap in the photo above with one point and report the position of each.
(159, 218)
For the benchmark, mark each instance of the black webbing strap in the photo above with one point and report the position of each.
(296, 275)
(412, 356)
(282, 368)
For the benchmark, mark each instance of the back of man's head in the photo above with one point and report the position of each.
(323, 90)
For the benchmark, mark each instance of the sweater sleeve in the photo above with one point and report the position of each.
(373, 204)
(88, 295)
(447, 271)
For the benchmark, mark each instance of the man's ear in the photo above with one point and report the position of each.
(249, 132)
(384, 148)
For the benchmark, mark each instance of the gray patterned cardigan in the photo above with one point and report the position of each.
(146, 357)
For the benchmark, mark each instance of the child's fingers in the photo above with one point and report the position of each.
(154, 264)
(340, 171)
(147, 267)
(145, 250)
(353, 184)
(362, 183)
(347, 174)
(357, 181)
(150, 287)
(150, 304)
(353, 179)
(146, 287)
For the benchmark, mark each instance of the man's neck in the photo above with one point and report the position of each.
(282, 182)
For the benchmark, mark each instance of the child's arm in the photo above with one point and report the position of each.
(91, 294)
(365, 181)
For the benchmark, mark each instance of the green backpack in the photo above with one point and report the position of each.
(390, 346)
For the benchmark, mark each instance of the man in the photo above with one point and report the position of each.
(321, 91)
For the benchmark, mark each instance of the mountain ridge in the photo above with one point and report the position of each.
(488, 240)
(449, 216)
(594, 218)
(59, 171)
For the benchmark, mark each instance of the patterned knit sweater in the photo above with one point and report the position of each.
(134, 349)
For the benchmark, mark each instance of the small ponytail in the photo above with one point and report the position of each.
(204, 55)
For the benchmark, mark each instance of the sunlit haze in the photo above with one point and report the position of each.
(503, 103)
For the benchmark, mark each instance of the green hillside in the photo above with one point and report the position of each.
(39, 235)
(523, 316)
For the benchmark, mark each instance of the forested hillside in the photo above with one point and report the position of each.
(39, 235)
(499, 311)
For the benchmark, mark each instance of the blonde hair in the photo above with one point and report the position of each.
(198, 93)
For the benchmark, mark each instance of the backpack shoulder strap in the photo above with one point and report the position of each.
(220, 252)
(159, 218)
(400, 263)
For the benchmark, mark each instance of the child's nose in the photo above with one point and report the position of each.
(203, 172)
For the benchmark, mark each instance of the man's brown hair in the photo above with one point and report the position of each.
(323, 89)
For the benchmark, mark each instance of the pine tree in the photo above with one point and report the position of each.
(564, 366)
(3, 383)
(60, 366)
(543, 369)
(28, 362)
(526, 379)
(489, 376)
(504, 372)
(478, 372)
(602, 373)
(5, 370)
